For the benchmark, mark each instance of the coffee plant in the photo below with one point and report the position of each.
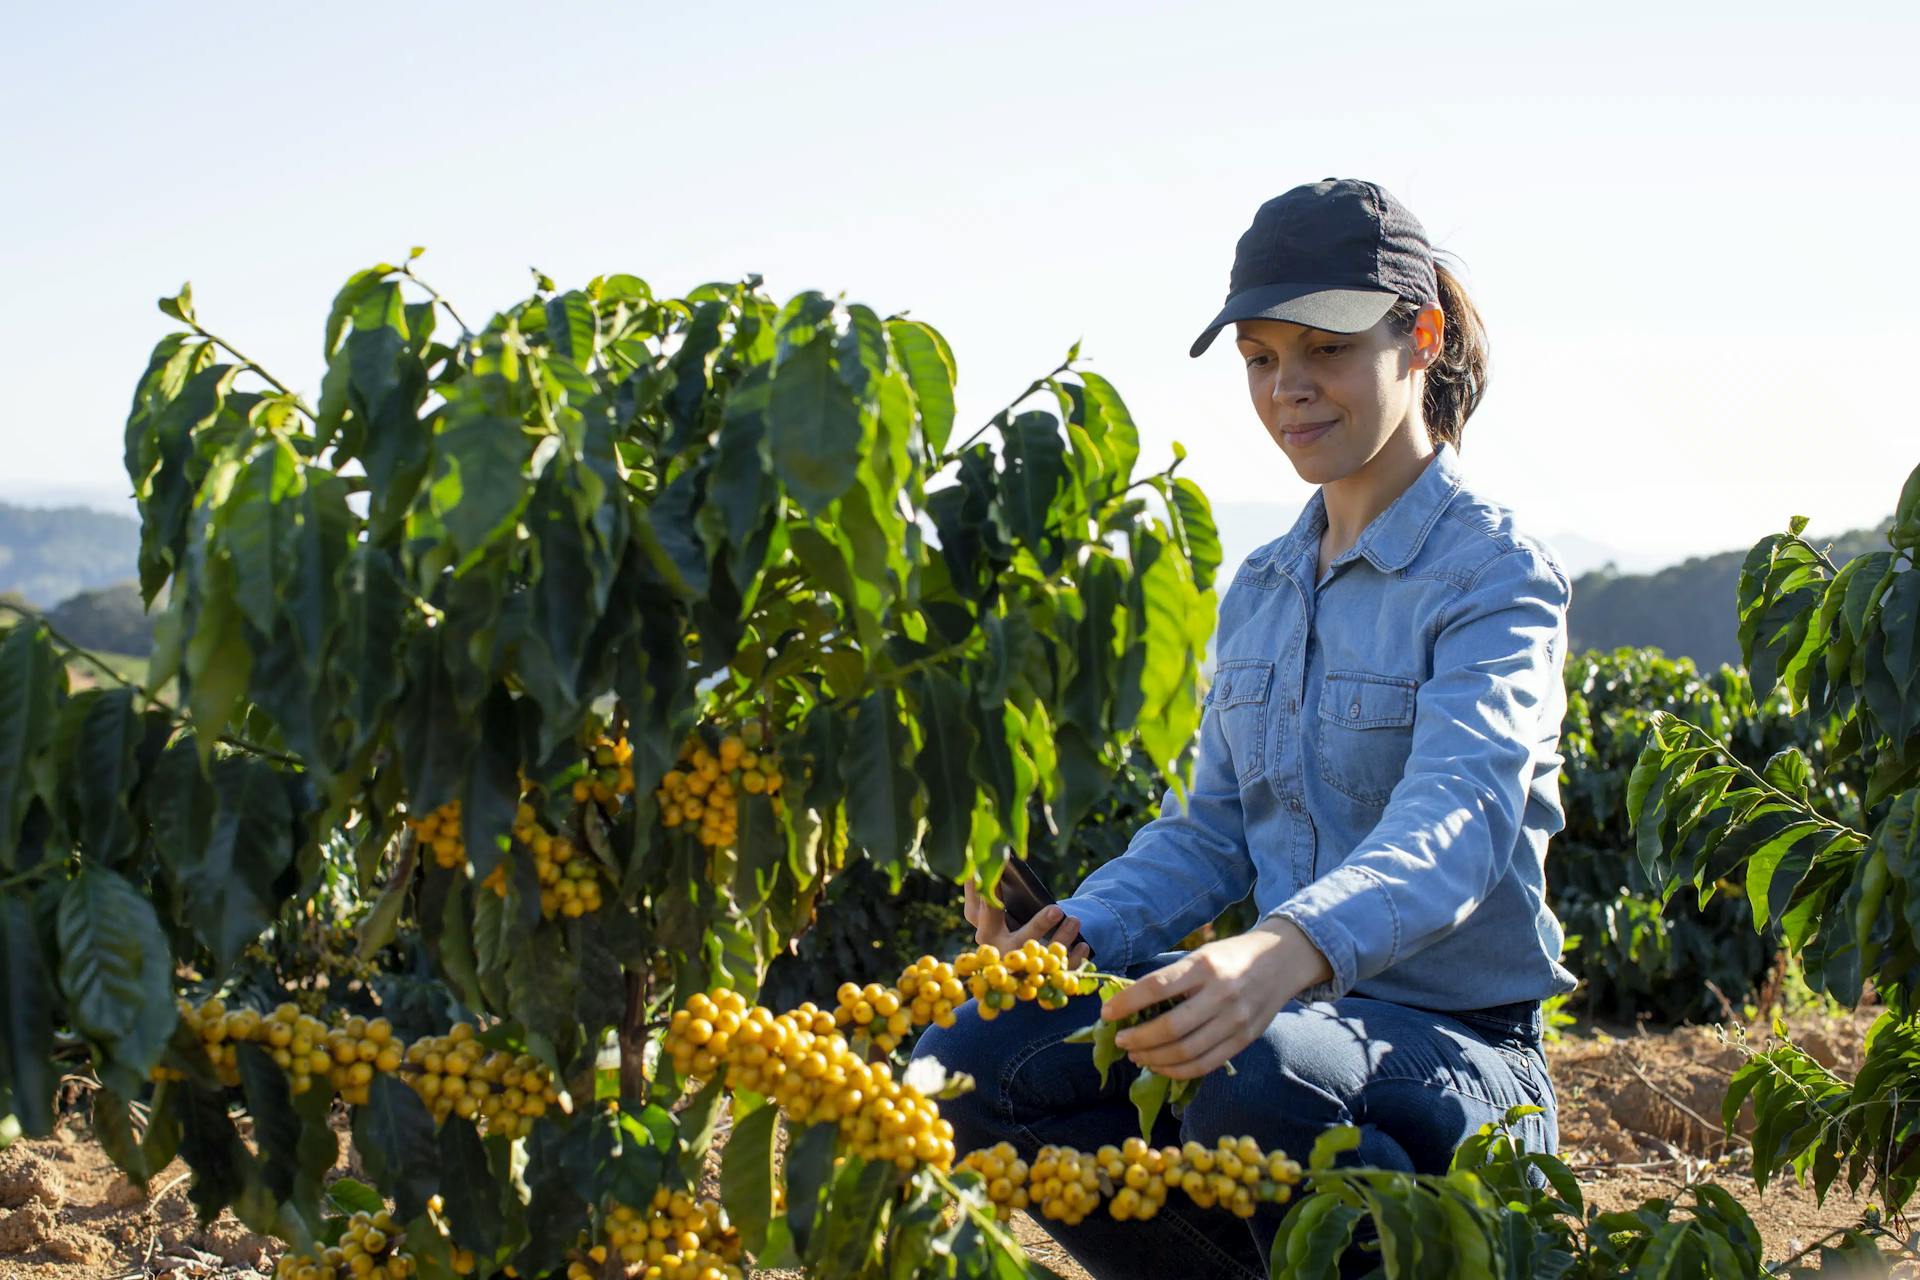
(590, 646)
(1673, 959)
(1843, 892)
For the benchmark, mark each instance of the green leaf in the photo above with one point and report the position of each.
(571, 327)
(472, 1197)
(479, 486)
(1328, 1147)
(27, 1003)
(945, 766)
(115, 971)
(1315, 1232)
(1033, 471)
(813, 428)
(394, 1135)
(219, 661)
(1148, 1093)
(809, 1168)
(929, 366)
(229, 889)
(880, 787)
(1198, 533)
(1118, 437)
(31, 680)
(746, 1176)
(104, 774)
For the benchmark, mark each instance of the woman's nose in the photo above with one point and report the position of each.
(1290, 387)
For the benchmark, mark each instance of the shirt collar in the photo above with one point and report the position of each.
(1394, 537)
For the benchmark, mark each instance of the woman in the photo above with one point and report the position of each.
(1378, 765)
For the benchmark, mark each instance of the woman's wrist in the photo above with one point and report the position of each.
(1294, 958)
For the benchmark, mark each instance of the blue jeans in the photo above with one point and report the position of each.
(1416, 1083)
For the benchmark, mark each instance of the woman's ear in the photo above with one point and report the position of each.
(1429, 336)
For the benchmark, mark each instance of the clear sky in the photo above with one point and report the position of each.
(1690, 227)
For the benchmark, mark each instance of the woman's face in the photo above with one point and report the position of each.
(1331, 401)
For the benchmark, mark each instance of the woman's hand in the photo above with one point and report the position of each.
(1228, 991)
(990, 925)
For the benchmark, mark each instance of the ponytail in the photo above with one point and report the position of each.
(1458, 378)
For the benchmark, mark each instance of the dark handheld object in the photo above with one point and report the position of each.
(1024, 892)
(1026, 895)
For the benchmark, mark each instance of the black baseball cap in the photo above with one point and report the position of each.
(1334, 255)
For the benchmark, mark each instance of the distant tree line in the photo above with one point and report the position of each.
(1685, 610)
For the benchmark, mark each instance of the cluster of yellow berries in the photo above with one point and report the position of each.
(930, 990)
(874, 1011)
(1036, 971)
(453, 1074)
(676, 1238)
(369, 1249)
(610, 775)
(703, 788)
(1133, 1179)
(439, 833)
(569, 881)
(799, 1061)
(298, 1042)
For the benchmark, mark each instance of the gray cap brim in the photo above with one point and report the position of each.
(1334, 310)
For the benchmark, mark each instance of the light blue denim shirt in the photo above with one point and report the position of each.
(1378, 760)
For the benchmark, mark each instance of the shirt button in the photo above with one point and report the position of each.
(1353, 712)
(1293, 803)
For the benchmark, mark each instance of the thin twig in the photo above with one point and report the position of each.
(1037, 384)
(258, 370)
(466, 331)
(1710, 1127)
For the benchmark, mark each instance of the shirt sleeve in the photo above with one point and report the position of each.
(1450, 827)
(1180, 870)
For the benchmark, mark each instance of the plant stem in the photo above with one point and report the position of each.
(172, 712)
(964, 445)
(466, 331)
(251, 365)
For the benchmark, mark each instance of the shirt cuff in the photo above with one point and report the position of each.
(1102, 930)
(1350, 917)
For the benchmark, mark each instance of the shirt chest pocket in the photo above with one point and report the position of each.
(1239, 698)
(1366, 733)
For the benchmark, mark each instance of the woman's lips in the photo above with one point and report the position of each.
(1301, 436)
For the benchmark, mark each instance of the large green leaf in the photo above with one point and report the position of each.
(478, 487)
(945, 766)
(880, 786)
(813, 428)
(394, 1134)
(116, 972)
(31, 681)
(229, 889)
(27, 1005)
(746, 1175)
(929, 366)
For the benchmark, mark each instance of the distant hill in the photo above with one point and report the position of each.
(1687, 609)
(51, 554)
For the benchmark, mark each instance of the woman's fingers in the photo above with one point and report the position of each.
(989, 922)
(1185, 1018)
(1205, 1062)
(1067, 934)
(1172, 1057)
(1163, 983)
(1079, 953)
(1038, 927)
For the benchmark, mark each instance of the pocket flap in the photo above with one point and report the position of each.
(1361, 700)
(1241, 680)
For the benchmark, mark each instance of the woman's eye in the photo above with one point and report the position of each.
(1333, 348)
(1253, 360)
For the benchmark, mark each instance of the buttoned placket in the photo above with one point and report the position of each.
(1292, 779)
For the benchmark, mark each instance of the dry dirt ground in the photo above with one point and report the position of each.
(1638, 1117)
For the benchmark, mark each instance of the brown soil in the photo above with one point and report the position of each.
(1639, 1117)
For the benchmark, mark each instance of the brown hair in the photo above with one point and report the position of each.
(1456, 381)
